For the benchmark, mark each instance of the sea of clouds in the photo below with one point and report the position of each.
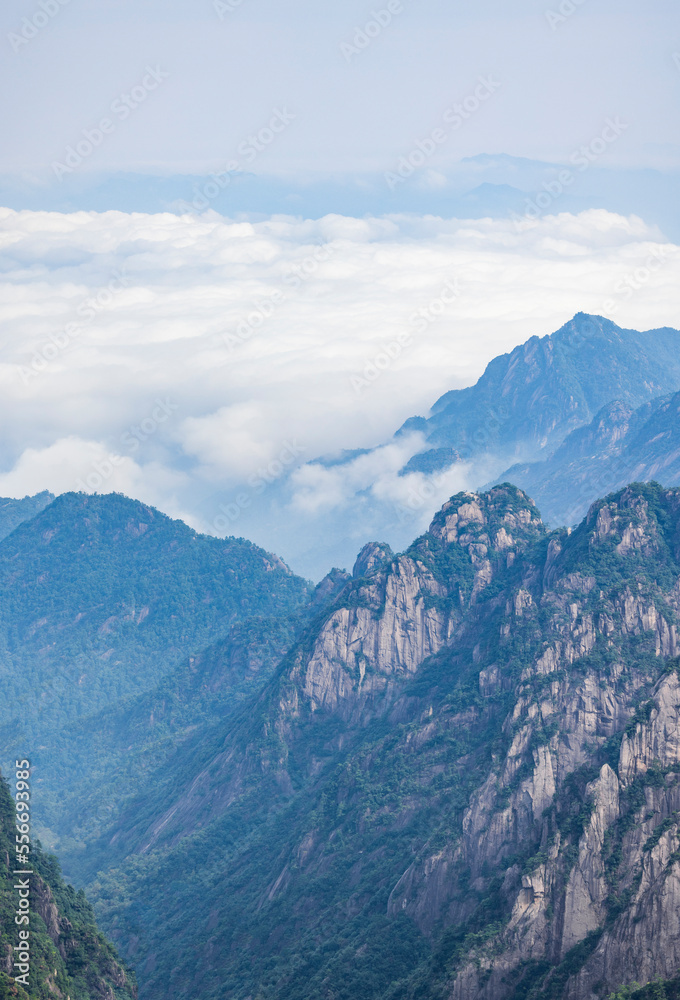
(201, 364)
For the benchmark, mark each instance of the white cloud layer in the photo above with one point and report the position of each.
(196, 358)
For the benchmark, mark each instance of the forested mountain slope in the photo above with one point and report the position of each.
(14, 512)
(461, 782)
(68, 955)
(127, 743)
(101, 596)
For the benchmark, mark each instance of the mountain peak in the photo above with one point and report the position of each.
(501, 509)
(528, 401)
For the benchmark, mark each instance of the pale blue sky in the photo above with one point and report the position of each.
(205, 310)
(558, 85)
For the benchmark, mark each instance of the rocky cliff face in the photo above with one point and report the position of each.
(409, 607)
(70, 960)
(599, 897)
(464, 781)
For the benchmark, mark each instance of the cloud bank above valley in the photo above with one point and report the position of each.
(216, 359)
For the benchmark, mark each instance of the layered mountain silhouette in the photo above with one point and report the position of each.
(520, 411)
(459, 782)
(619, 446)
(454, 773)
(527, 402)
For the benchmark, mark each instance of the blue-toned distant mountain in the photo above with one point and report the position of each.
(528, 401)
(521, 410)
(621, 445)
(483, 186)
(15, 512)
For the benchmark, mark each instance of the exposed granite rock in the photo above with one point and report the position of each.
(371, 558)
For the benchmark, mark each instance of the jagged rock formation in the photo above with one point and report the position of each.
(522, 408)
(462, 782)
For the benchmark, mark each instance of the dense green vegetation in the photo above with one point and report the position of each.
(68, 955)
(237, 843)
(101, 599)
(658, 989)
(15, 512)
(126, 744)
(305, 825)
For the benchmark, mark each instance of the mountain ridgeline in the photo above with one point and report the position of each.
(101, 596)
(567, 417)
(453, 774)
(620, 446)
(462, 780)
(527, 402)
(15, 512)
